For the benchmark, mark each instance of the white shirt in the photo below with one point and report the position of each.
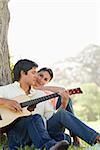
(45, 109)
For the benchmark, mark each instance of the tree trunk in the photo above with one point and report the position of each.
(5, 73)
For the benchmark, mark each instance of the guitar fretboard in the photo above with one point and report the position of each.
(38, 100)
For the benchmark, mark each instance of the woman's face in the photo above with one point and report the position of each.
(42, 78)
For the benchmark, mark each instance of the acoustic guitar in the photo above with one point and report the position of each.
(7, 116)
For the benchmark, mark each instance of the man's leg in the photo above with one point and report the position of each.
(69, 121)
(17, 134)
(31, 130)
(38, 133)
(28, 130)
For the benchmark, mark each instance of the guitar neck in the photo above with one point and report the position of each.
(45, 98)
(38, 100)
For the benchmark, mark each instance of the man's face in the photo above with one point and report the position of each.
(30, 78)
(42, 78)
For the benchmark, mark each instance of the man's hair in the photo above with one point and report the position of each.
(23, 65)
(48, 70)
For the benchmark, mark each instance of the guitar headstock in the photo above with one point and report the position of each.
(75, 91)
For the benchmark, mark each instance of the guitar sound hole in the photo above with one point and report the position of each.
(0, 117)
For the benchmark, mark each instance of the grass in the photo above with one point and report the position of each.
(28, 148)
(70, 148)
(94, 125)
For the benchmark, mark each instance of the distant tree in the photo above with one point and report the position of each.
(5, 72)
(89, 102)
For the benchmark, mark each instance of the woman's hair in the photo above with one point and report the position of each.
(48, 70)
(23, 65)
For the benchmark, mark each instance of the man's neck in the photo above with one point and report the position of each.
(25, 87)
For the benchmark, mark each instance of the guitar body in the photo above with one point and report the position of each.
(8, 116)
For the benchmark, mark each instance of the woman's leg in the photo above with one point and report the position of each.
(65, 119)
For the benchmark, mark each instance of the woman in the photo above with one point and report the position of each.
(43, 77)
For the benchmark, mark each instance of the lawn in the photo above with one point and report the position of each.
(70, 148)
(27, 148)
(94, 125)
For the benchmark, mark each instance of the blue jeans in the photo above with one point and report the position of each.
(69, 106)
(66, 119)
(29, 130)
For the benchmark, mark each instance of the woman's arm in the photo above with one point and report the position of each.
(51, 88)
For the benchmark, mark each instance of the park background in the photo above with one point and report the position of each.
(65, 36)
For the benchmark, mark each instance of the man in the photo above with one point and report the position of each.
(26, 130)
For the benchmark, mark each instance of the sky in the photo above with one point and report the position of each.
(48, 31)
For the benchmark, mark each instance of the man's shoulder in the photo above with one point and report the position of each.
(9, 90)
(5, 86)
(8, 85)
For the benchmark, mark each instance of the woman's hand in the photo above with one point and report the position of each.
(65, 98)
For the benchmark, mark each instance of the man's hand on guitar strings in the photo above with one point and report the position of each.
(13, 105)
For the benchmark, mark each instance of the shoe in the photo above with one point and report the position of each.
(62, 145)
(97, 139)
(77, 143)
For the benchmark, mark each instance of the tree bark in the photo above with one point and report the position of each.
(5, 72)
